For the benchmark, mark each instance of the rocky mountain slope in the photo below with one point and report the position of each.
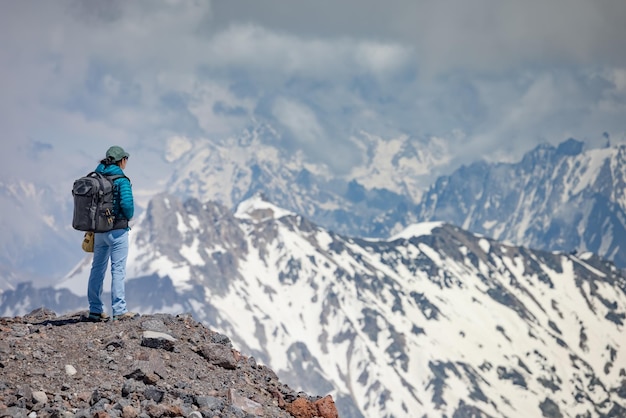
(150, 366)
(433, 322)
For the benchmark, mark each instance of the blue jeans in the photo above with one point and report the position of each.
(113, 244)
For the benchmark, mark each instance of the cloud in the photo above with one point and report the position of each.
(176, 147)
(300, 120)
(257, 49)
(81, 75)
(218, 111)
(618, 77)
(457, 34)
(306, 132)
(539, 107)
(39, 149)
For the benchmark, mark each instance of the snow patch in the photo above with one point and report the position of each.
(484, 245)
(487, 225)
(192, 253)
(246, 209)
(417, 230)
(182, 227)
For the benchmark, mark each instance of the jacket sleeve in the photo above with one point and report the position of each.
(127, 204)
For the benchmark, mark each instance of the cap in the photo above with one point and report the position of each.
(117, 153)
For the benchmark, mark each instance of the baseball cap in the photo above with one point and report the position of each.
(117, 153)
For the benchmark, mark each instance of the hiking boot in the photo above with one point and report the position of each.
(97, 317)
(124, 316)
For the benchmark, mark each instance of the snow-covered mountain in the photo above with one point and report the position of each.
(433, 322)
(376, 198)
(556, 198)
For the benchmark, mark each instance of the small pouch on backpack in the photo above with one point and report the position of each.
(88, 242)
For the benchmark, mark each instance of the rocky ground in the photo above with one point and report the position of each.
(150, 366)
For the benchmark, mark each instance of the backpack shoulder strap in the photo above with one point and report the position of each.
(115, 177)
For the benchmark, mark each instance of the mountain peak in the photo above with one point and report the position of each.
(258, 208)
(570, 147)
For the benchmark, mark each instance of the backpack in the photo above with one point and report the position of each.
(93, 202)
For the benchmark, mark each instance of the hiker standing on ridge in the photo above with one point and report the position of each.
(112, 244)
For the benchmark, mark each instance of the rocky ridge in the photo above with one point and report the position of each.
(158, 365)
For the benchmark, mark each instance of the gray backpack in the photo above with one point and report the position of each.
(93, 202)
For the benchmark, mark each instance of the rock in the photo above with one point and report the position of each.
(122, 375)
(326, 407)
(14, 412)
(302, 408)
(243, 403)
(70, 370)
(41, 314)
(40, 397)
(155, 394)
(164, 410)
(148, 367)
(129, 412)
(154, 339)
(221, 339)
(208, 402)
(219, 355)
(156, 325)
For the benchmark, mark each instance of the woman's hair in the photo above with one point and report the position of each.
(108, 161)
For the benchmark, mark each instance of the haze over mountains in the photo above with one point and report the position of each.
(566, 198)
(344, 283)
(556, 198)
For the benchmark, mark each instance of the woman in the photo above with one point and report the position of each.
(112, 244)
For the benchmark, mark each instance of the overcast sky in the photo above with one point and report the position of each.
(494, 77)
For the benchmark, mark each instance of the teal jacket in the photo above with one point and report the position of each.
(123, 203)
